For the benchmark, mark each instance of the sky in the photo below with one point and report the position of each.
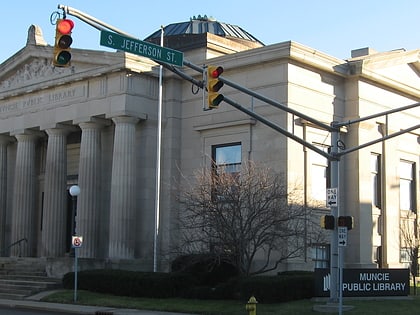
(334, 27)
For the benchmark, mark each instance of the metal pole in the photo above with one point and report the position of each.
(75, 274)
(92, 21)
(334, 211)
(158, 154)
(341, 265)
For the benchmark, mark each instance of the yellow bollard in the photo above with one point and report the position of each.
(251, 306)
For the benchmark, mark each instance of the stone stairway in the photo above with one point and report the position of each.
(23, 277)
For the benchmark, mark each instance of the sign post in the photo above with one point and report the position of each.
(76, 242)
(141, 48)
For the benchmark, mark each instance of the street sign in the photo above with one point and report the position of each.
(332, 197)
(342, 236)
(76, 241)
(142, 48)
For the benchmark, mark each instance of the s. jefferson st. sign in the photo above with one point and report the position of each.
(366, 282)
(141, 48)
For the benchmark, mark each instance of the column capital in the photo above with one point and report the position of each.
(96, 120)
(125, 120)
(27, 132)
(59, 126)
(128, 113)
(90, 125)
(28, 136)
(57, 131)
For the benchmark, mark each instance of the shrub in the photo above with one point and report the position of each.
(131, 283)
(266, 289)
(208, 269)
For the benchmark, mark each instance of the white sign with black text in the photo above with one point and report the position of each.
(342, 236)
(332, 197)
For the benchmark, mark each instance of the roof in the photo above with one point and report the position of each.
(200, 25)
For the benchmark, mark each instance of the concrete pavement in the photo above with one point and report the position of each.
(34, 303)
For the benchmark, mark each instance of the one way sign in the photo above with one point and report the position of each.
(332, 197)
(342, 236)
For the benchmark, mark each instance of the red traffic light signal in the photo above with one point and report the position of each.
(215, 72)
(63, 40)
(65, 26)
(214, 85)
(327, 222)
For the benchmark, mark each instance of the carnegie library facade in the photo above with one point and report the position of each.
(94, 124)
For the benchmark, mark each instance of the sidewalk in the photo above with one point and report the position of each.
(34, 303)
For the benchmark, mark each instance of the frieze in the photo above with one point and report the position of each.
(42, 101)
(35, 71)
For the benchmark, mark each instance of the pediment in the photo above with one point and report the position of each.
(399, 66)
(34, 70)
(31, 68)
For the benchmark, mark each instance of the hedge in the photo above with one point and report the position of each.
(131, 283)
(266, 289)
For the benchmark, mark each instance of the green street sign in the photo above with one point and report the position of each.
(142, 48)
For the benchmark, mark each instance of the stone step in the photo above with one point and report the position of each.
(12, 296)
(23, 288)
(28, 277)
(41, 283)
(23, 277)
(18, 289)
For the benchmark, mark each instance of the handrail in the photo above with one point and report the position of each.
(3, 251)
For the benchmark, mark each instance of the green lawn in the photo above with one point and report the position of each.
(211, 307)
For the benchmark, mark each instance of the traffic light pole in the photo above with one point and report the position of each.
(334, 259)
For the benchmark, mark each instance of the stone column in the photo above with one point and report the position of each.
(23, 216)
(88, 202)
(54, 218)
(123, 190)
(4, 142)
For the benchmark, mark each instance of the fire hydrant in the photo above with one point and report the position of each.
(251, 306)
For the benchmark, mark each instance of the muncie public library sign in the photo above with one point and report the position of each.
(366, 282)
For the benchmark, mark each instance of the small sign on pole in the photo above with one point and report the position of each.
(76, 241)
(342, 236)
(332, 197)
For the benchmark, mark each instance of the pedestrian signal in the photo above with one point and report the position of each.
(327, 222)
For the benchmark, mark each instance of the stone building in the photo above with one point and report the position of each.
(94, 124)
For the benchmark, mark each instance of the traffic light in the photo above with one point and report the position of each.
(214, 85)
(63, 40)
(346, 221)
(327, 222)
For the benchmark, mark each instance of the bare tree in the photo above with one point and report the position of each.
(410, 242)
(239, 217)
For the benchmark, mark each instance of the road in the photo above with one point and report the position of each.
(20, 311)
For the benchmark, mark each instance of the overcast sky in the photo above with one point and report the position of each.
(334, 27)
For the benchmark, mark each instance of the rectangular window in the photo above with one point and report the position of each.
(405, 255)
(321, 256)
(227, 158)
(375, 170)
(407, 186)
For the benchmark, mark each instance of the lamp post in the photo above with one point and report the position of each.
(74, 192)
